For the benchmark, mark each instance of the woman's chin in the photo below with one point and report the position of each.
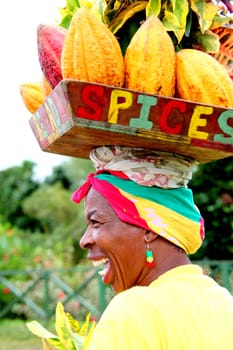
(106, 274)
(108, 277)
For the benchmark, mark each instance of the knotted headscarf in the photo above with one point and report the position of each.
(148, 189)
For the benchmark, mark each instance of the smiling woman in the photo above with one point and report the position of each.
(142, 226)
(102, 239)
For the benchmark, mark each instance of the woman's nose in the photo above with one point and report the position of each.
(86, 241)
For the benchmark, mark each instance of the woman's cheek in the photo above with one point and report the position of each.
(95, 234)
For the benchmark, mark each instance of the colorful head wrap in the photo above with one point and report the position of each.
(169, 212)
(145, 166)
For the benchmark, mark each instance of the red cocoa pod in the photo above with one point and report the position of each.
(50, 39)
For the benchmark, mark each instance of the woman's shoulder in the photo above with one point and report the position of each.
(131, 309)
(131, 299)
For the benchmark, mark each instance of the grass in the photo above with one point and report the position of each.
(15, 335)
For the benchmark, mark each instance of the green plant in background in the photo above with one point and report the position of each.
(62, 221)
(24, 251)
(17, 183)
(212, 185)
(14, 246)
(189, 22)
(14, 335)
(54, 240)
(70, 334)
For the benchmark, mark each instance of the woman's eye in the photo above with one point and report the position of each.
(94, 222)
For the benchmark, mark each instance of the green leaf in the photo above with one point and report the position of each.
(63, 327)
(37, 329)
(153, 8)
(188, 24)
(74, 323)
(64, 11)
(125, 14)
(113, 8)
(65, 22)
(66, 16)
(209, 41)
(79, 341)
(97, 8)
(219, 21)
(72, 5)
(88, 337)
(205, 12)
(56, 343)
(175, 17)
(85, 326)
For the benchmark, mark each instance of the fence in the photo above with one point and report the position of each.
(221, 271)
(36, 292)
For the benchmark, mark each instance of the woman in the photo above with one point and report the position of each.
(142, 225)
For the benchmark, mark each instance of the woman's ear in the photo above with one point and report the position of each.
(150, 236)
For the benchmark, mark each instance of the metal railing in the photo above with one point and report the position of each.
(37, 290)
(20, 286)
(219, 270)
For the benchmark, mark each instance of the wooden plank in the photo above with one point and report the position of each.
(78, 116)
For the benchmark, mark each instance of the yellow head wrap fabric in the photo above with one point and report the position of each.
(171, 213)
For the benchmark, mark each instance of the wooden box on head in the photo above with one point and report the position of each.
(78, 116)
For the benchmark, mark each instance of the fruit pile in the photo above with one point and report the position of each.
(148, 46)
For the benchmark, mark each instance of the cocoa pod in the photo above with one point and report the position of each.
(32, 95)
(150, 59)
(46, 87)
(50, 39)
(91, 52)
(201, 78)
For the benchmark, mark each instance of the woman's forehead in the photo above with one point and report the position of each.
(95, 202)
(94, 196)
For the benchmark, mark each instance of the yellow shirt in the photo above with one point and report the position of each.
(182, 310)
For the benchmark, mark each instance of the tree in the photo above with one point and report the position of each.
(59, 217)
(71, 173)
(17, 183)
(51, 205)
(212, 185)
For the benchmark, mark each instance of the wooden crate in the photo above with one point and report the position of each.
(78, 116)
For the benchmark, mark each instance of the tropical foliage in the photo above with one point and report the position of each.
(70, 334)
(212, 185)
(189, 22)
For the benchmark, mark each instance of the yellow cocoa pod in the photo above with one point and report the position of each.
(46, 87)
(91, 52)
(201, 78)
(32, 95)
(150, 60)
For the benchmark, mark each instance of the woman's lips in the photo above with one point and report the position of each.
(101, 262)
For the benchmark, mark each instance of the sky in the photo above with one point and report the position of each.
(19, 64)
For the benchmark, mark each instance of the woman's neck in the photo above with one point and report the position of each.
(166, 256)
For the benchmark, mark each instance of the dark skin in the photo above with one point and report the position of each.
(123, 247)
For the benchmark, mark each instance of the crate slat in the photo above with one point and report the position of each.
(78, 116)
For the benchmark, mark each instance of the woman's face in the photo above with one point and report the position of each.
(116, 245)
